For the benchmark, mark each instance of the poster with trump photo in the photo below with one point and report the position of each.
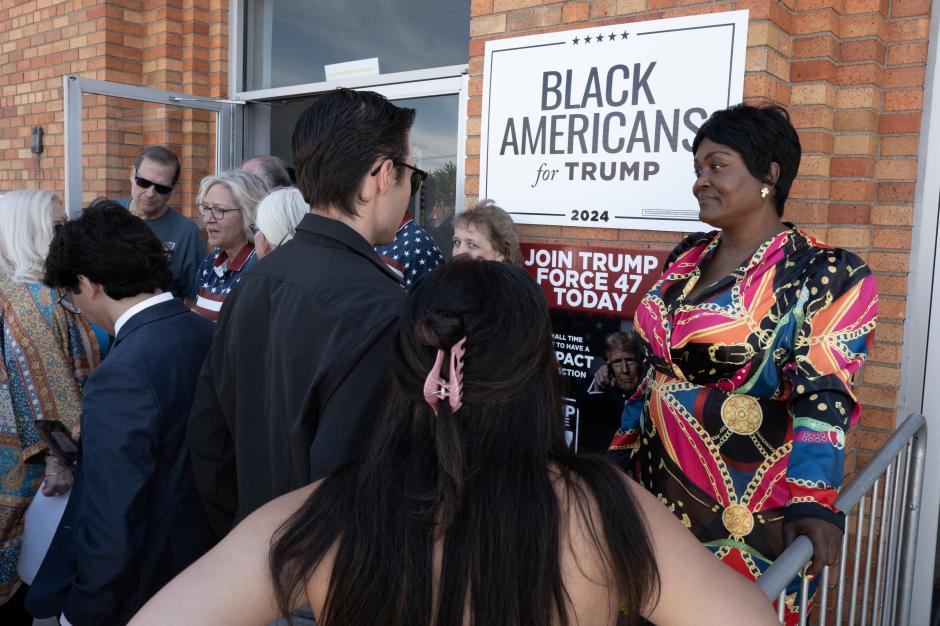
(591, 292)
(594, 127)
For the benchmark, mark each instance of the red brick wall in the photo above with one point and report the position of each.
(851, 73)
(176, 45)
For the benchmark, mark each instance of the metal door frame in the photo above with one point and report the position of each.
(74, 87)
(920, 360)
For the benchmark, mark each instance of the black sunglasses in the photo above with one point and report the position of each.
(418, 176)
(143, 183)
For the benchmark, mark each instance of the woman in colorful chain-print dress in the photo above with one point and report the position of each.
(755, 332)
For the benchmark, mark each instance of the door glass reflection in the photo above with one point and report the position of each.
(433, 146)
(288, 42)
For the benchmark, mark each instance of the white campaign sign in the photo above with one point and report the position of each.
(594, 127)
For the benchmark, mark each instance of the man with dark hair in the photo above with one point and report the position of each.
(134, 519)
(153, 177)
(270, 168)
(293, 382)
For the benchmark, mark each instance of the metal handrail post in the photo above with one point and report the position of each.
(915, 488)
(909, 441)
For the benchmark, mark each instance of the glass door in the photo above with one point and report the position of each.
(107, 125)
(437, 139)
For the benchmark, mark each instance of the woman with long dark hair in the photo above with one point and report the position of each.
(469, 508)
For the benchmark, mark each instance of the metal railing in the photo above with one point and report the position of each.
(876, 570)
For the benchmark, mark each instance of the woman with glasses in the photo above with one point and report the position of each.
(46, 353)
(486, 231)
(228, 204)
(278, 216)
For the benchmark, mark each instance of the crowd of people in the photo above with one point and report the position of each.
(317, 410)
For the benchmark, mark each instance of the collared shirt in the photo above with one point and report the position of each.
(740, 423)
(413, 254)
(140, 306)
(218, 275)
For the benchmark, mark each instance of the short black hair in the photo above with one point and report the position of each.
(111, 247)
(339, 137)
(761, 135)
(163, 156)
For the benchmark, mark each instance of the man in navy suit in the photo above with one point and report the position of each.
(134, 519)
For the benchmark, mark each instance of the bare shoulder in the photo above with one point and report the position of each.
(273, 514)
(202, 594)
(692, 580)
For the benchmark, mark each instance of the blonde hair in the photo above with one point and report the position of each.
(279, 213)
(26, 230)
(497, 226)
(247, 190)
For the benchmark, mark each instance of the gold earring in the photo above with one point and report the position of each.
(764, 192)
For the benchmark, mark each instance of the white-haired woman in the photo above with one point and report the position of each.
(278, 216)
(46, 353)
(228, 204)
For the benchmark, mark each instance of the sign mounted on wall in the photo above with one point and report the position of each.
(594, 281)
(594, 127)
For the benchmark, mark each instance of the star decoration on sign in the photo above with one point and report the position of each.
(624, 35)
(576, 40)
(612, 36)
(599, 39)
(587, 39)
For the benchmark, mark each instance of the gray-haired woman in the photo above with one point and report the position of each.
(228, 204)
(46, 353)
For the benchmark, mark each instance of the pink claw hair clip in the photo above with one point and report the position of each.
(437, 389)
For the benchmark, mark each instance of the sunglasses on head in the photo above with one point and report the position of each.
(143, 183)
(418, 176)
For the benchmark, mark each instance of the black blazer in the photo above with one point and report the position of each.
(134, 519)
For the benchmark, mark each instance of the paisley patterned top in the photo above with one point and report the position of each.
(741, 422)
(45, 356)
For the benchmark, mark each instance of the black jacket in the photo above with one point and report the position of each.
(294, 379)
(134, 519)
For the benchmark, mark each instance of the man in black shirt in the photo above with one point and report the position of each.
(293, 382)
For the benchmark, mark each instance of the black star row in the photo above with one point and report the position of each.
(599, 38)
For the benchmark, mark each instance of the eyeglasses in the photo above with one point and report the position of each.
(255, 230)
(217, 213)
(143, 183)
(418, 176)
(65, 301)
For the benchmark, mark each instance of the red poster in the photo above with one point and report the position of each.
(597, 281)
